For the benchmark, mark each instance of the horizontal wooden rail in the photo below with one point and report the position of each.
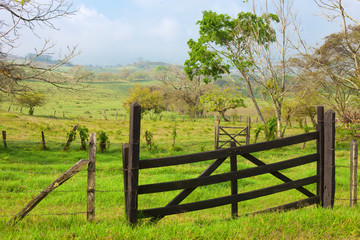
(224, 153)
(216, 202)
(289, 206)
(203, 181)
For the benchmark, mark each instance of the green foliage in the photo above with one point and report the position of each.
(84, 136)
(174, 135)
(148, 99)
(270, 129)
(31, 100)
(71, 136)
(257, 131)
(149, 137)
(104, 141)
(222, 99)
(223, 43)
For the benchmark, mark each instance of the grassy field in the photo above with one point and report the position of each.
(25, 170)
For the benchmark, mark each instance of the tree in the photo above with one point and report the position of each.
(180, 93)
(259, 47)
(30, 14)
(31, 100)
(349, 43)
(148, 99)
(332, 68)
(222, 99)
(225, 42)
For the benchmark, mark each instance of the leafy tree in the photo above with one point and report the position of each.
(331, 67)
(30, 14)
(257, 46)
(31, 100)
(148, 99)
(180, 93)
(225, 42)
(222, 99)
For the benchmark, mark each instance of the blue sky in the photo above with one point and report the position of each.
(113, 32)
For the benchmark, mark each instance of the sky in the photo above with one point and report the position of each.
(112, 32)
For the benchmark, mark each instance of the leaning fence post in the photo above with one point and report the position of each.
(353, 172)
(329, 159)
(133, 165)
(234, 184)
(4, 139)
(91, 179)
(320, 151)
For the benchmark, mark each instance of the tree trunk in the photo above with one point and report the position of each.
(223, 116)
(251, 93)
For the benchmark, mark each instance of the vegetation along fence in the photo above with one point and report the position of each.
(90, 162)
(324, 177)
(224, 135)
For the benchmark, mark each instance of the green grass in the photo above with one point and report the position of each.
(25, 170)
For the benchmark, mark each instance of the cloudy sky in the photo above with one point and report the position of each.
(114, 32)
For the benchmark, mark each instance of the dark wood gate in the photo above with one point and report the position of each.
(224, 135)
(324, 177)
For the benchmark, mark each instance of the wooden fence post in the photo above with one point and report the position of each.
(353, 172)
(320, 151)
(215, 133)
(125, 158)
(91, 179)
(329, 159)
(4, 139)
(133, 166)
(234, 183)
(247, 141)
(60, 180)
(43, 140)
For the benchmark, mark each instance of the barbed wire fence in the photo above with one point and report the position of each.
(90, 191)
(353, 166)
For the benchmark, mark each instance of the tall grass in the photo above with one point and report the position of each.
(25, 170)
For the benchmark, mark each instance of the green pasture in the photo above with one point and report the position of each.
(26, 169)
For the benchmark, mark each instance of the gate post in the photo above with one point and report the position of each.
(329, 159)
(320, 151)
(133, 164)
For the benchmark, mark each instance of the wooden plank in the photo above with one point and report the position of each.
(60, 180)
(329, 159)
(289, 206)
(234, 183)
(134, 152)
(224, 177)
(186, 192)
(91, 179)
(353, 172)
(277, 174)
(125, 158)
(224, 153)
(216, 202)
(320, 151)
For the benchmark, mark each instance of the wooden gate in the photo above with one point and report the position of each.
(224, 135)
(324, 178)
